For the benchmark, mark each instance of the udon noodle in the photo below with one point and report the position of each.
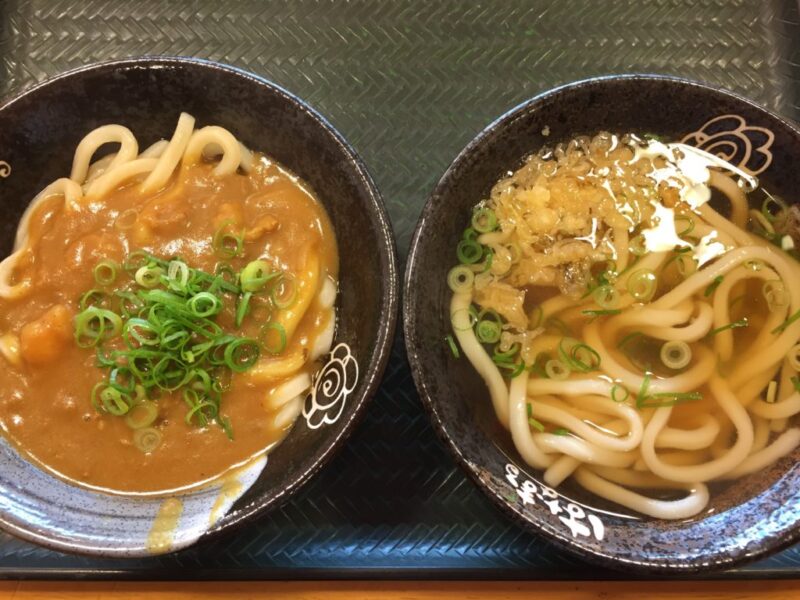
(163, 310)
(633, 337)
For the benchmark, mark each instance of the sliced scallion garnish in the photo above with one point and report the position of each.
(712, 287)
(484, 220)
(642, 284)
(165, 338)
(453, 347)
(780, 328)
(743, 322)
(226, 243)
(105, 272)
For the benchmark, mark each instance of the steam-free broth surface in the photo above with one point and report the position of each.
(633, 339)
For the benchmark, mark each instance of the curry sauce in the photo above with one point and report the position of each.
(46, 380)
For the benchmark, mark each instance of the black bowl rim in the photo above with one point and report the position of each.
(387, 250)
(771, 542)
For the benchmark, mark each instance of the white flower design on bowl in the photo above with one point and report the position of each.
(733, 140)
(331, 386)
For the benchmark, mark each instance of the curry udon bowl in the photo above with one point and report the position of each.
(744, 519)
(39, 131)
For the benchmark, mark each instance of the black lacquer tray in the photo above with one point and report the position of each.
(409, 83)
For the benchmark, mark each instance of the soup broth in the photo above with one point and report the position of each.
(632, 337)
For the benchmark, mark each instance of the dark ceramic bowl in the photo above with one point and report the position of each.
(39, 130)
(751, 518)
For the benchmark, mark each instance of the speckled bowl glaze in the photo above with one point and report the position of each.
(39, 130)
(753, 516)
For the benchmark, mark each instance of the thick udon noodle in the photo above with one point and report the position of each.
(649, 442)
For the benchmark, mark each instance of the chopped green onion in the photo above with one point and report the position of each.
(105, 272)
(689, 224)
(129, 303)
(225, 423)
(536, 317)
(780, 328)
(242, 308)
(284, 293)
(226, 279)
(141, 332)
(121, 379)
(642, 284)
(469, 252)
(142, 414)
(637, 245)
(558, 325)
(531, 421)
(464, 319)
(735, 325)
(537, 425)
(484, 220)
(167, 339)
(606, 296)
(470, 234)
(676, 354)
(93, 297)
(505, 356)
(147, 439)
(662, 399)
(578, 356)
(227, 244)
(256, 275)
(556, 369)
(619, 393)
(204, 305)
(95, 325)
(712, 287)
(686, 265)
(114, 401)
(452, 344)
(178, 276)
(561, 431)
(487, 332)
(767, 207)
(490, 314)
(515, 368)
(461, 279)
(487, 263)
(669, 399)
(270, 346)
(642, 395)
(149, 276)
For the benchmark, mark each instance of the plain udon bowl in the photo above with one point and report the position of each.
(748, 518)
(39, 130)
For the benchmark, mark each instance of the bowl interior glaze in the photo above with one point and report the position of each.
(754, 516)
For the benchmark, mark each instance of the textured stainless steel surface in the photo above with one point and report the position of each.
(409, 83)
